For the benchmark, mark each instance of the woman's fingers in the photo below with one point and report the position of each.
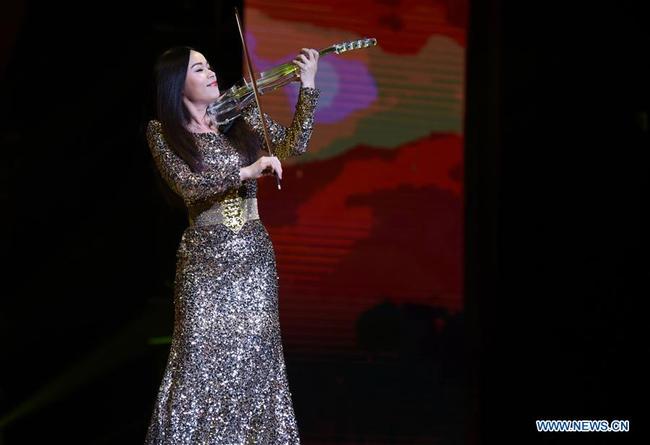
(310, 53)
(307, 57)
(307, 62)
(270, 165)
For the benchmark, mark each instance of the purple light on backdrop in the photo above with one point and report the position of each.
(346, 85)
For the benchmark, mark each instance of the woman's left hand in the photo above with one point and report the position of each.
(307, 62)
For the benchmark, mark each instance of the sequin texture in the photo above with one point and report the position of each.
(225, 381)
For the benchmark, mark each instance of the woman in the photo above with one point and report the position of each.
(225, 382)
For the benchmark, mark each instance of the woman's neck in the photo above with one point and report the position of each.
(196, 126)
(199, 122)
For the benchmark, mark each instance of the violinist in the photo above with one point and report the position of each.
(225, 379)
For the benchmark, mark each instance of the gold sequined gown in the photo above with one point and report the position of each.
(225, 382)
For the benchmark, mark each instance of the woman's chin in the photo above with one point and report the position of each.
(208, 99)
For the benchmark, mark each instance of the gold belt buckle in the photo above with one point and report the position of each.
(232, 209)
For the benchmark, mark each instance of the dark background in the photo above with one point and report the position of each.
(556, 273)
(557, 168)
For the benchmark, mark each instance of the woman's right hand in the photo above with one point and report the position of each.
(264, 166)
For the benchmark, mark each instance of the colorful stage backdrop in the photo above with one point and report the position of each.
(373, 213)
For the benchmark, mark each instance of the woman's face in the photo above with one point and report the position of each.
(201, 82)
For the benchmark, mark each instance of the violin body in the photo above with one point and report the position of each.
(232, 101)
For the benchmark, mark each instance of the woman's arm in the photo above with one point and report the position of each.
(292, 140)
(178, 175)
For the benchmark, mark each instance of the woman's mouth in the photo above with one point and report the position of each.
(213, 84)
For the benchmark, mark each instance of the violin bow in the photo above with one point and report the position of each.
(267, 140)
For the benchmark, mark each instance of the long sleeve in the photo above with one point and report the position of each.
(178, 175)
(292, 140)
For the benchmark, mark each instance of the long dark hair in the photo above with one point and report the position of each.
(170, 72)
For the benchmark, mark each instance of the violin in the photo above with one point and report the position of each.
(231, 103)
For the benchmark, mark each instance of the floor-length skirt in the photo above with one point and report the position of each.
(225, 381)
